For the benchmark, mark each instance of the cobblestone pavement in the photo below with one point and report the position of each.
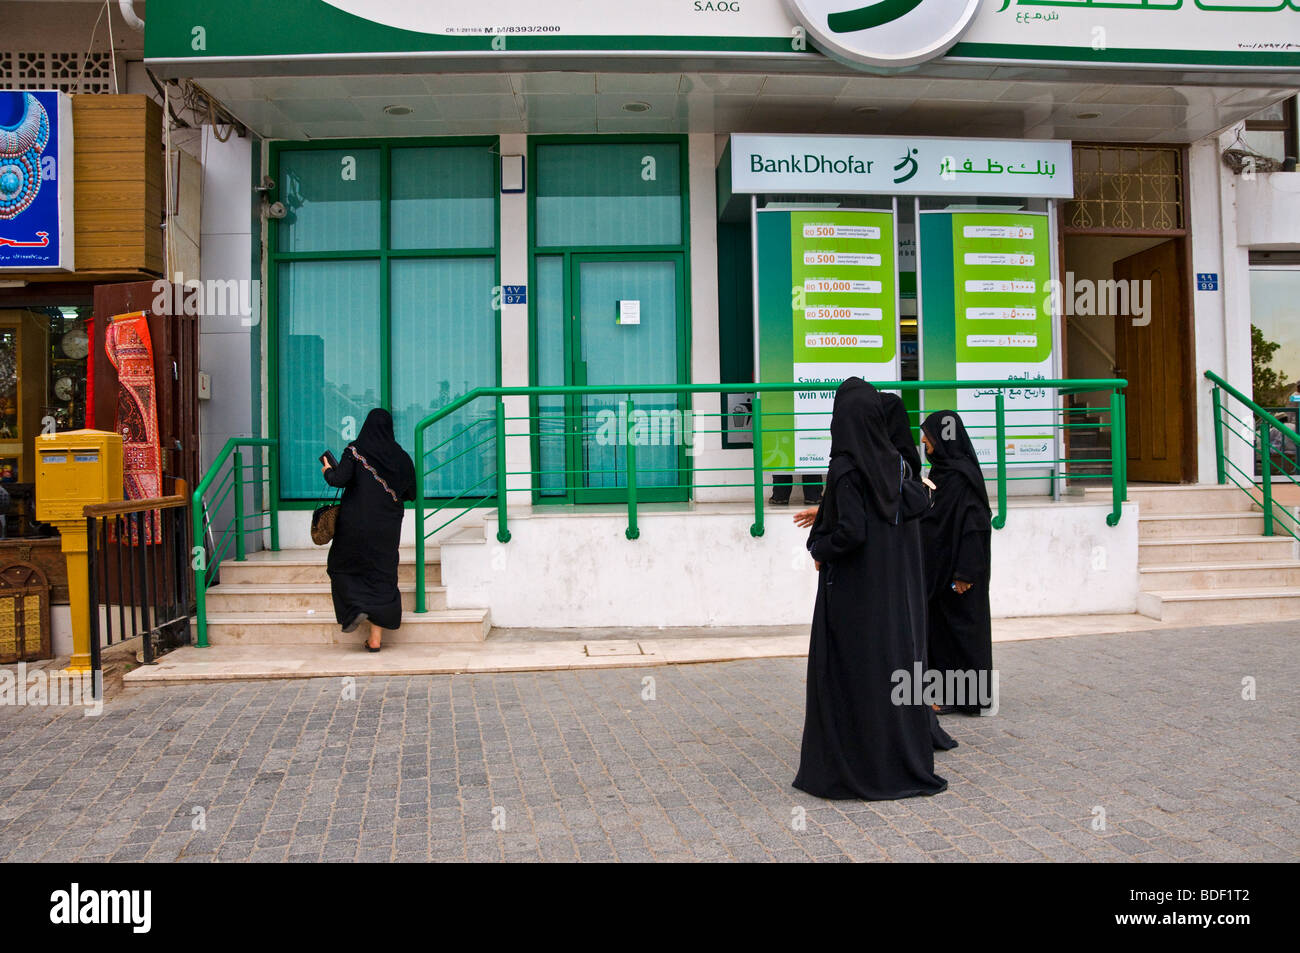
(1149, 727)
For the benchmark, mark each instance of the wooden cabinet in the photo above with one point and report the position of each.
(24, 366)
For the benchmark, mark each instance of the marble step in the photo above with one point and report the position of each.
(299, 628)
(1197, 525)
(1215, 549)
(1193, 607)
(250, 599)
(1215, 576)
(1191, 499)
(292, 566)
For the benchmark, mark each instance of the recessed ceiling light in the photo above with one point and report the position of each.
(1087, 115)
(636, 107)
(398, 110)
(866, 110)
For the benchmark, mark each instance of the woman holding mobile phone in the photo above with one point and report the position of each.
(376, 476)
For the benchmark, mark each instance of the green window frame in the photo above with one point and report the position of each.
(567, 254)
(385, 254)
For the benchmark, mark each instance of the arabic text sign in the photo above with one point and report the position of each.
(901, 165)
(35, 181)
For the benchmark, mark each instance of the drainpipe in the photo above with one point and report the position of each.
(128, 14)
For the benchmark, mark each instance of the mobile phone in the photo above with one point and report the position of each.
(327, 460)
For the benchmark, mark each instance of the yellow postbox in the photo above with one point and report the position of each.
(73, 470)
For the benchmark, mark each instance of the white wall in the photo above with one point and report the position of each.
(704, 569)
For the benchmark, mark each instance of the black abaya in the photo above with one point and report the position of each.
(363, 557)
(957, 534)
(900, 435)
(856, 742)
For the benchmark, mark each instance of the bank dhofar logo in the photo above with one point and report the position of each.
(886, 33)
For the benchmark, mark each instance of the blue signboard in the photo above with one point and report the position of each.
(514, 294)
(35, 181)
(1207, 281)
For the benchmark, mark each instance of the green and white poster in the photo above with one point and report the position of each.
(985, 315)
(826, 310)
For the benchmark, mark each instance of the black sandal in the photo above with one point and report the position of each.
(355, 623)
(369, 647)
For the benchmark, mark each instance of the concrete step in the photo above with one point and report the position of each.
(1194, 498)
(299, 628)
(1215, 549)
(1198, 525)
(1264, 604)
(292, 566)
(1218, 576)
(251, 599)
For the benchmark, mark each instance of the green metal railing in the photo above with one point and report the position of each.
(211, 495)
(1109, 466)
(1274, 448)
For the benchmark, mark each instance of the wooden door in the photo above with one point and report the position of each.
(1153, 358)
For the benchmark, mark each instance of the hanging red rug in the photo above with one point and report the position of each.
(129, 348)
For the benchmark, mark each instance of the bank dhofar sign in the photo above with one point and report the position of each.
(35, 181)
(886, 33)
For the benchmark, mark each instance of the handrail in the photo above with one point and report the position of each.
(1061, 387)
(1259, 427)
(199, 559)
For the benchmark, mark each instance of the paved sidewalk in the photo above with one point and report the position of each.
(1149, 727)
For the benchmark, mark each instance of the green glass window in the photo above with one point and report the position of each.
(602, 194)
(328, 329)
(443, 333)
(384, 276)
(444, 198)
(332, 198)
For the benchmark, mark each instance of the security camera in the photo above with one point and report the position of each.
(276, 210)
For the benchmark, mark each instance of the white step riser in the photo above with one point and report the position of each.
(280, 574)
(1154, 502)
(1254, 548)
(1214, 611)
(1200, 580)
(228, 599)
(1157, 528)
(314, 633)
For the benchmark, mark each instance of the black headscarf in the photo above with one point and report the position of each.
(380, 448)
(860, 434)
(953, 458)
(900, 432)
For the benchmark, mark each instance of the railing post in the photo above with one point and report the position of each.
(273, 492)
(237, 463)
(1117, 454)
(199, 562)
(1220, 470)
(1266, 471)
(503, 531)
(1000, 520)
(756, 431)
(419, 520)
(1123, 434)
(632, 531)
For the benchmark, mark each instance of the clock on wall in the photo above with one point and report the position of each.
(75, 343)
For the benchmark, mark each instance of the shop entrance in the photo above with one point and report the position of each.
(1127, 307)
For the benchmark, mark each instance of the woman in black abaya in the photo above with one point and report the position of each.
(376, 476)
(856, 742)
(957, 532)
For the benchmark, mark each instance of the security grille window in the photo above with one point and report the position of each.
(70, 72)
(1127, 188)
(1272, 132)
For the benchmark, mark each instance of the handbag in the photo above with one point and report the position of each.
(323, 520)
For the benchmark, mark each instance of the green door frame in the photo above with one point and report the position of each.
(575, 374)
(384, 254)
(628, 253)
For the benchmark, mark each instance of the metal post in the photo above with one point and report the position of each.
(756, 431)
(1123, 432)
(1266, 471)
(632, 531)
(1000, 520)
(1117, 454)
(199, 562)
(237, 464)
(1221, 470)
(419, 520)
(503, 531)
(273, 492)
(92, 580)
